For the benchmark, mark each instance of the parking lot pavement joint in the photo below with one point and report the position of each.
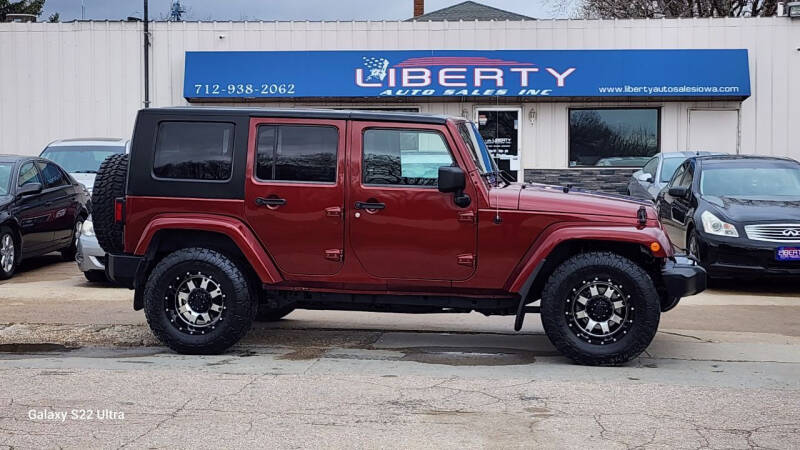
(708, 341)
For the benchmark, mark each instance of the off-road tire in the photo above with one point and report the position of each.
(108, 186)
(240, 304)
(266, 314)
(634, 281)
(95, 276)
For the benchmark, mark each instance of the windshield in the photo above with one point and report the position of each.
(477, 148)
(668, 168)
(5, 177)
(80, 158)
(750, 182)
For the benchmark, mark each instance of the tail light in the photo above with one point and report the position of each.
(119, 210)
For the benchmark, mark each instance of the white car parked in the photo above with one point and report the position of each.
(81, 158)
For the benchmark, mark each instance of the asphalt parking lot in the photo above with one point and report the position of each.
(723, 372)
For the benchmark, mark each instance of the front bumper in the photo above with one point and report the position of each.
(742, 257)
(90, 256)
(682, 277)
(122, 269)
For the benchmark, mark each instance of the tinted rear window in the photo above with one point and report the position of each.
(194, 151)
(297, 153)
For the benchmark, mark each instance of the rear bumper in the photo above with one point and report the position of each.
(122, 269)
(682, 277)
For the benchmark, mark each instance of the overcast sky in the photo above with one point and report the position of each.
(286, 9)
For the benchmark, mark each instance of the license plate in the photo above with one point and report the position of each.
(787, 254)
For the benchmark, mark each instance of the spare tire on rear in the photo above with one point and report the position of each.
(108, 186)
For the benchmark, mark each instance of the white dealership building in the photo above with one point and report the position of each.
(557, 99)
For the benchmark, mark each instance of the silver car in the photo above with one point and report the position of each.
(647, 182)
(81, 158)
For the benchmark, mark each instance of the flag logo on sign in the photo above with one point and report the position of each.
(376, 67)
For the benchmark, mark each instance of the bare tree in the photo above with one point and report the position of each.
(630, 9)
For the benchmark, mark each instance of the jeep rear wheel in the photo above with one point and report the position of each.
(198, 301)
(108, 186)
(600, 308)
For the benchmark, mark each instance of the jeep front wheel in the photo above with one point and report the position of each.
(198, 301)
(600, 308)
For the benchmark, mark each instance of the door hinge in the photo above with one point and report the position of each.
(333, 254)
(333, 211)
(466, 216)
(466, 259)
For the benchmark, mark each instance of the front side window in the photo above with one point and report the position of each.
(686, 180)
(194, 151)
(28, 174)
(52, 175)
(404, 157)
(676, 178)
(297, 153)
(613, 137)
(669, 166)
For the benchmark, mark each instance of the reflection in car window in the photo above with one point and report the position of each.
(750, 182)
(297, 153)
(686, 180)
(678, 174)
(5, 177)
(405, 157)
(668, 168)
(28, 174)
(194, 150)
(52, 175)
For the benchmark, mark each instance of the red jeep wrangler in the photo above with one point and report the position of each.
(223, 216)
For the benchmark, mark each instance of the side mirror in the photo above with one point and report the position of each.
(645, 177)
(452, 179)
(29, 189)
(679, 192)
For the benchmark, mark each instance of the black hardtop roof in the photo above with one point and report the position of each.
(344, 114)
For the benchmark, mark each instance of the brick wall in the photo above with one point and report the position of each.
(604, 180)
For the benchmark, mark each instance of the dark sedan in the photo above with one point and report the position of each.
(42, 210)
(738, 215)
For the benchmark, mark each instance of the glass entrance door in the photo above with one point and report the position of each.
(499, 128)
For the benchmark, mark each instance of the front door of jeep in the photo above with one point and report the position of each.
(400, 225)
(294, 196)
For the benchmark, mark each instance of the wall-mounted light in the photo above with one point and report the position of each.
(793, 10)
(532, 116)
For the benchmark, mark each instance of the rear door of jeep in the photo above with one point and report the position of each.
(294, 192)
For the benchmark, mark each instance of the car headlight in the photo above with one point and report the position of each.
(88, 229)
(713, 225)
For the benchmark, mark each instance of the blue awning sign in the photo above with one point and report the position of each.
(467, 73)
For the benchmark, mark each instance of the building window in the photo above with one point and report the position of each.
(404, 157)
(297, 153)
(613, 137)
(194, 151)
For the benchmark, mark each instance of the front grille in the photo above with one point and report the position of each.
(778, 232)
